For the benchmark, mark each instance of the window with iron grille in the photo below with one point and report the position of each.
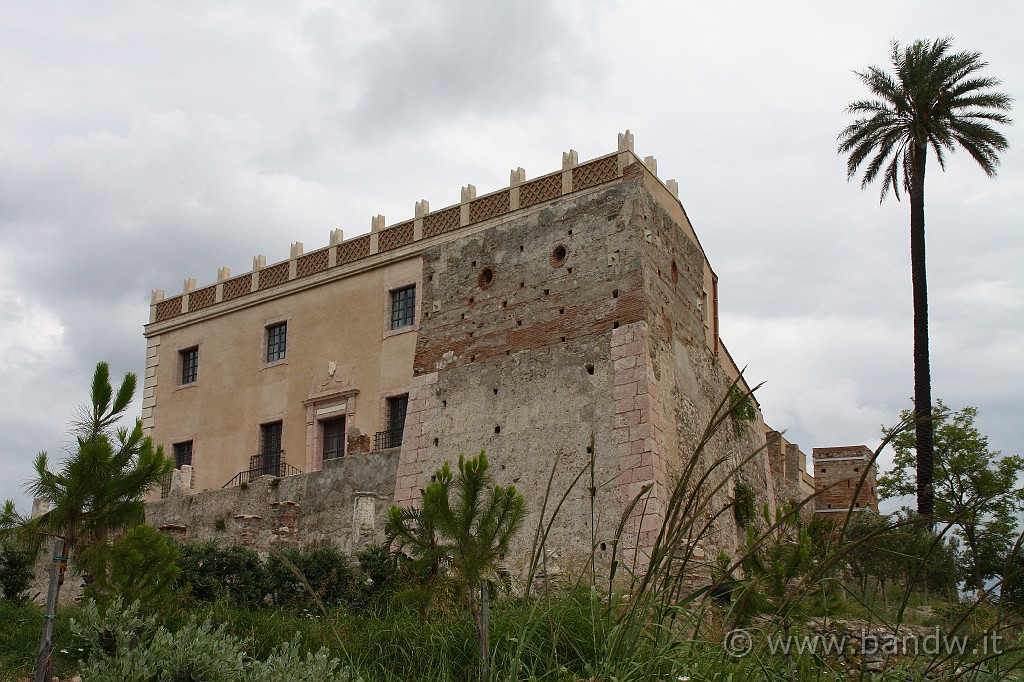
(270, 449)
(182, 454)
(277, 337)
(403, 307)
(334, 438)
(189, 365)
(394, 423)
(397, 407)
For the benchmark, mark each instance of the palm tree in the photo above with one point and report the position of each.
(474, 522)
(935, 99)
(98, 489)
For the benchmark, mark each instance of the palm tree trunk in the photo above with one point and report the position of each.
(44, 662)
(922, 370)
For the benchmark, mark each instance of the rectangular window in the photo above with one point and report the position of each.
(403, 307)
(277, 337)
(189, 365)
(397, 407)
(269, 459)
(394, 423)
(334, 438)
(182, 454)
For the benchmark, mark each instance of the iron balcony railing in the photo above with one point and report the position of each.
(264, 464)
(392, 438)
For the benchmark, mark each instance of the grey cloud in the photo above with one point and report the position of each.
(440, 61)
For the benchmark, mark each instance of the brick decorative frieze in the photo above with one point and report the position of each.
(594, 173)
(202, 298)
(396, 236)
(273, 276)
(237, 286)
(540, 190)
(354, 249)
(489, 206)
(168, 308)
(442, 221)
(312, 263)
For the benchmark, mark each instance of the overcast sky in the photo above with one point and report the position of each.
(142, 143)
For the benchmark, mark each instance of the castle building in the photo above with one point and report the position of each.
(845, 478)
(564, 324)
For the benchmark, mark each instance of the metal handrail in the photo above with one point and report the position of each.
(392, 438)
(264, 464)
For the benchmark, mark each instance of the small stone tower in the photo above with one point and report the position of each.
(837, 472)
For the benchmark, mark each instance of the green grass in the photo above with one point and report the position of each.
(21, 624)
(566, 638)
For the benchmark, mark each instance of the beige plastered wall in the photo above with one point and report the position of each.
(342, 358)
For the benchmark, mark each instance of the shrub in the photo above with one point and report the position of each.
(234, 573)
(16, 571)
(120, 646)
(378, 575)
(140, 567)
(326, 571)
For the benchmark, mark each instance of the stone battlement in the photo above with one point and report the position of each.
(425, 225)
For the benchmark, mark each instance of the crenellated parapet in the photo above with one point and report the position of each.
(425, 225)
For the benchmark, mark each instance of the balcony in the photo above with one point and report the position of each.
(392, 438)
(264, 464)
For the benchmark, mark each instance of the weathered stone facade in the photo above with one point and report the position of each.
(345, 504)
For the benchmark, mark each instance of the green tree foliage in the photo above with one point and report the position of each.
(16, 570)
(98, 488)
(934, 562)
(324, 570)
(1012, 589)
(234, 573)
(878, 550)
(976, 488)
(465, 525)
(378, 575)
(934, 99)
(140, 567)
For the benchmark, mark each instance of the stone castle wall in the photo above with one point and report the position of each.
(345, 504)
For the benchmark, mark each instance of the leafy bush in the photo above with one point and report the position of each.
(121, 646)
(288, 663)
(378, 575)
(234, 573)
(16, 571)
(326, 571)
(140, 567)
